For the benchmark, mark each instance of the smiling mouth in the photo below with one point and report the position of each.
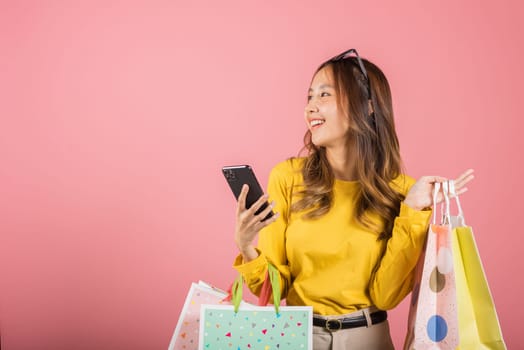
(316, 122)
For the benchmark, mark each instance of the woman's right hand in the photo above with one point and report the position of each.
(248, 225)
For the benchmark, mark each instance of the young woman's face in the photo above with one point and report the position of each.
(328, 125)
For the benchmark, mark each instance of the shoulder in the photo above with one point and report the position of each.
(287, 172)
(402, 183)
(288, 168)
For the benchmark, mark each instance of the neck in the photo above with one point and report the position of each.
(342, 162)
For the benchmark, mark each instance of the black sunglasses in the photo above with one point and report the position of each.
(347, 54)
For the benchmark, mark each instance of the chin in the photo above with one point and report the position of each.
(318, 142)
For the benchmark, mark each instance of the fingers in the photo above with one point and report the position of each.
(461, 191)
(459, 182)
(433, 179)
(258, 204)
(420, 195)
(466, 174)
(259, 217)
(464, 178)
(250, 218)
(241, 206)
(260, 223)
(264, 213)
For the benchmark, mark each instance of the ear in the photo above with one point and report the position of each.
(370, 107)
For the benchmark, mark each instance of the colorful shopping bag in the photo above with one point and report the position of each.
(249, 327)
(433, 318)
(185, 336)
(479, 327)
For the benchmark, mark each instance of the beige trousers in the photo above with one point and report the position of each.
(372, 337)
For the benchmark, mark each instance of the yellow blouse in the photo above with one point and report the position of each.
(334, 264)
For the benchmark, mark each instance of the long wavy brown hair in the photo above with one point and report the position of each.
(375, 142)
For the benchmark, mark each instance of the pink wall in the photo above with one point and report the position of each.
(115, 118)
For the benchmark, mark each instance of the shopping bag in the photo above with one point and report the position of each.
(479, 327)
(249, 327)
(433, 318)
(185, 336)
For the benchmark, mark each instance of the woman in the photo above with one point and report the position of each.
(349, 226)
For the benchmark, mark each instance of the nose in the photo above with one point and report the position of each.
(311, 106)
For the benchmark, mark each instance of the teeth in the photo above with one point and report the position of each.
(316, 122)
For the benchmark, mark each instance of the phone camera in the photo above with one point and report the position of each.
(230, 174)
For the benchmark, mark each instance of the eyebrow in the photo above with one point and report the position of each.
(323, 86)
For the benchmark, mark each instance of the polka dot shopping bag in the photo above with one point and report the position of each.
(433, 317)
(451, 305)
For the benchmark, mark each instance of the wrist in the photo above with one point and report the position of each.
(243, 245)
(413, 205)
(248, 253)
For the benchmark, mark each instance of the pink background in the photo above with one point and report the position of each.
(116, 117)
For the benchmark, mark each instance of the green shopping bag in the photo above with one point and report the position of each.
(249, 327)
(479, 327)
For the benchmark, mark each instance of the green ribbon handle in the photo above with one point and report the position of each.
(236, 292)
(274, 278)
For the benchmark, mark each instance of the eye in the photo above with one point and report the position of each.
(309, 97)
(325, 94)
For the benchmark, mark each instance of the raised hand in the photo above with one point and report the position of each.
(420, 195)
(249, 224)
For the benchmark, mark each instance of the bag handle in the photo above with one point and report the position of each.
(453, 194)
(447, 188)
(272, 281)
(446, 216)
(436, 190)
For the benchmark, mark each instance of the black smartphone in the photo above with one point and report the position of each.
(237, 176)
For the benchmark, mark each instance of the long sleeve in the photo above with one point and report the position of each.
(393, 279)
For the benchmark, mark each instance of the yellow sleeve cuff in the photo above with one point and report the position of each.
(407, 211)
(252, 269)
(414, 222)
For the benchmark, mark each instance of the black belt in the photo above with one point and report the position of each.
(335, 324)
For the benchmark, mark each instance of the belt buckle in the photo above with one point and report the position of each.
(337, 325)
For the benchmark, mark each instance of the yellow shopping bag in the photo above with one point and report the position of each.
(479, 327)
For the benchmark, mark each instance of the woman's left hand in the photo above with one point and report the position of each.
(420, 195)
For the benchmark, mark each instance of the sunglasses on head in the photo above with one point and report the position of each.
(348, 54)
